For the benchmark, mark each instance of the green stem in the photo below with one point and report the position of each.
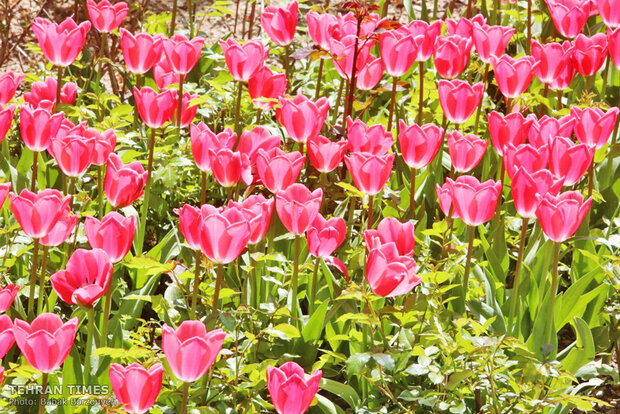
(514, 297)
(287, 68)
(502, 173)
(479, 110)
(192, 18)
(421, 98)
(553, 292)
(147, 195)
(255, 282)
(218, 286)
(605, 74)
(371, 203)
(238, 108)
(100, 203)
(392, 103)
(89, 345)
(543, 106)
(470, 248)
(33, 179)
(412, 194)
(529, 27)
(317, 263)
(317, 93)
(102, 48)
(590, 179)
(173, 19)
(33, 278)
(180, 104)
(43, 392)
(198, 256)
(185, 397)
(294, 279)
(59, 73)
(106, 314)
(203, 188)
(42, 272)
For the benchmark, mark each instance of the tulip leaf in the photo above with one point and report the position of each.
(284, 331)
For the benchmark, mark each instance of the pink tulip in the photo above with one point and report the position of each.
(593, 126)
(445, 195)
(37, 127)
(124, 183)
(347, 25)
(62, 230)
(370, 172)
(568, 160)
(190, 221)
(425, 35)
(103, 142)
(46, 342)
(291, 392)
(73, 153)
(390, 274)
(564, 78)
(183, 53)
(43, 94)
(188, 110)
(6, 119)
(113, 234)
(398, 51)
(141, 51)
(609, 12)
(5, 188)
(542, 131)
(136, 387)
(552, 59)
(280, 23)
(190, 350)
(7, 296)
(258, 210)
(302, 117)
(459, 99)
(326, 155)
(342, 52)
(451, 55)
(245, 60)
(230, 167)
(464, 27)
(6, 335)
(164, 75)
(527, 189)
(510, 129)
(370, 74)
(419, 144)
(203, 140)
(589, 53)
(465, 151)
(525, 156)
(319, 28)
(265, 88)
(278, 169)
(224, 233)
(297, 207)
(9, 82)
(373, 139)
(475, 202)
(38, 213)
(613, 40)
(155, 108)
(391, 230)
(569, 16)
(513, 76)
(325, 236)
(61, 43)
(106, 16)
(560, 216)
(85, 279)
(255, 139)
(491, 40)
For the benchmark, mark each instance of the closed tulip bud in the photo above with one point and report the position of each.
(465, 151)
(6, 335)
(113, 234)
(61, 43)
(398, 51)
(43, 94)
(613, 42)
(370, 74)
(568, 160)
(124, 183)
(280, 23)
(106, 16)
(229, 167)
(255, 139)
(475, 202)
(6, 119)
(7, 296)
(373, 139)
(265, 87)
(223, 234)
(593, 126)
(188, 110)
(326, 155)
(183, 53)
(452, 55)
(542, 131)
(419, 144)
(425, 35)
(527, 188)
(302, 117)
(190, 350)
(560, 216)
(444, 195)
(390, 274)
(510, 129)
(297, 207)
(46, 342)
(9, 82)
(37, 127)
(319, 28)
(589, 53)
(325, 236)
(464, 27)
(369, 172)
(278, 169)
(155, 108)
(513, 76)
(61, 231)
(245, 60)
(136, 387)
(491, 40)
(608, 10)
(203, 140)
(291, 392)
(258, 210)
(140, 51)
(5, 188)
(459, 99)
(552, 59)
(525, 156)
(391, 230)
(190, 220)
(569, 16)
(73, 153)
(38, 213)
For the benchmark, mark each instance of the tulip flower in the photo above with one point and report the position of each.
(564, 79)
(451, 55)
(560, 216)
(342, 52)
(552, 59)
(426, 35)
(9, 82)
(491, 40)
(459, 99)
(61, 231)
(464, 27)
(38, 213)
(136, 387)
(104, 145)
(465, 151)
(46, 342)
(255, 139)
(389, 274)
(190, 221)
(419, 144)
(164, 75)
(542, 131)
(513, 76)
(155, 108)
(370, 172)
(6, 118)
(6, 335)
(188, 113)
(5, 188)
(230, 167)
(568, 160)
(224, 233)
(203, 140)
(124, 183)
(7, 296)
(373, 139)
(190, 350)
(61, 43)
(280, 23)
(608, 10)
(325, 236)
(589, 53)
(43, 94)
(291, 392)
(106, 16)
(297, 207)
(326, 155)
(319, 28)
(113, 234)
(475, 202)
(37, 127)
(510, 129)
(370, 74)
(243, 61)
(569, 16)
(265, 88)
(301, 117)
(593, 126)
(525, 156)
(391, 230)
(613, 41)
(140, 51)
(398, 51)
(444, 195)
(527, 189)
(183, 53)
(278, 169)
(257, 209)
(73, 153)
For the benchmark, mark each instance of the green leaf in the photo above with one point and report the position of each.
(148, 264)
(343, 391)
(284, 331)
(584, 351)
(316, 323)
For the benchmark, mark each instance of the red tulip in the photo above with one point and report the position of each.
(593, 126)
(203, 140)
(62, 230)
(569, 16)
(46, 342)
(398, 51)
(245, 60)
(190, 220)
(464, 27)
(568, 160)
(61, 43)
(255, 139)
(459, 99)
(326, 155)
(124, 183)
(38, 213)
(542, 131)
(141, 51)
(372, 139)
(426, 35)
(475, 202)
(9, 82)
(513, 76)
(510, 129)
(451, 55)
(278, 169)
(419, 144)
(224, 233)
(552, 59)
(527, 189)
(291, 392)
(136, 387)
(301, 117)
(6, 335)
(257, 209)
(370, 172)
(613, 41)
(43, 94)
(391, 230)
(319, 28)
(370, 74)
(5, 188)
(491, 40)
(155, 108)
(265, 88)
(465, 151)
(38, 126)
(325, 236)
(190, 350)
(230, 167)
(608, 10)
(589, 53)
(560, 216)
(7, 296)
(73, 153)
(183, 53)
(444, 195)
(113, 234)
(525, 156)
(297, 207)
(390, 274)
(280, 23)
(6, 118)
(86, 278)
(106, 16)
